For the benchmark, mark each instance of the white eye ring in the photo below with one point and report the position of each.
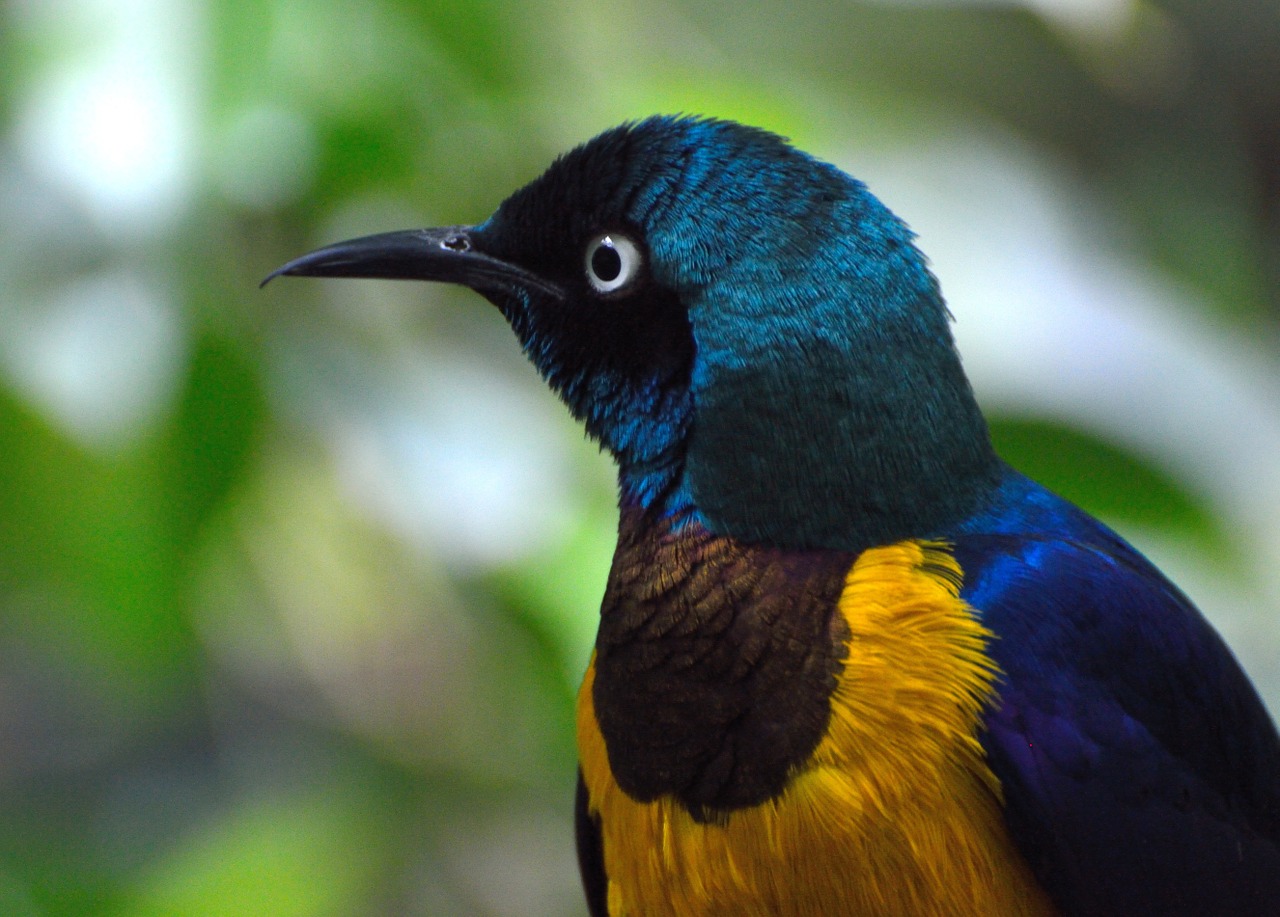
(612, 262)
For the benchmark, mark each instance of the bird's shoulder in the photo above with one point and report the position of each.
(1140, 769)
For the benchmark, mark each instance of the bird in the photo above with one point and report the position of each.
(849, 661)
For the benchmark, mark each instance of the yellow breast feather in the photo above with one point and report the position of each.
(896, 811)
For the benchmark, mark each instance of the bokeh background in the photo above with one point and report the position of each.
(296, 584)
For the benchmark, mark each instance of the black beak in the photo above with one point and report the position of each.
(447, 255)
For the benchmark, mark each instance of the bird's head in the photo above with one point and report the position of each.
(750, 333)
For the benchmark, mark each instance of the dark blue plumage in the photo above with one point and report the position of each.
(761, 347)
(1141, 772)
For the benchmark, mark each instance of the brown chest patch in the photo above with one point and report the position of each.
(715, 663)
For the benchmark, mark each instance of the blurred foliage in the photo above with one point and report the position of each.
(296, 585)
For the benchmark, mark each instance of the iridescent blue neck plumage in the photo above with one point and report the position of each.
(788, 369)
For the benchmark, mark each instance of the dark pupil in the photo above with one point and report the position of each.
(606, 263)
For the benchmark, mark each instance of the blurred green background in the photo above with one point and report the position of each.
(296, 584)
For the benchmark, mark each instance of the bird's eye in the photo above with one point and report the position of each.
(613, 261)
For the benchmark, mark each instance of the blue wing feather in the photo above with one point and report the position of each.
(1140, 769)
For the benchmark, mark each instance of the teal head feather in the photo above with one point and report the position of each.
(747, 329)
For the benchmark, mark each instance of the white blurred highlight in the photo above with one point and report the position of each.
(114, 125)
(101, 356)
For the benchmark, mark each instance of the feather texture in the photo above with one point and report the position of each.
(895, 811)
(849, 662)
